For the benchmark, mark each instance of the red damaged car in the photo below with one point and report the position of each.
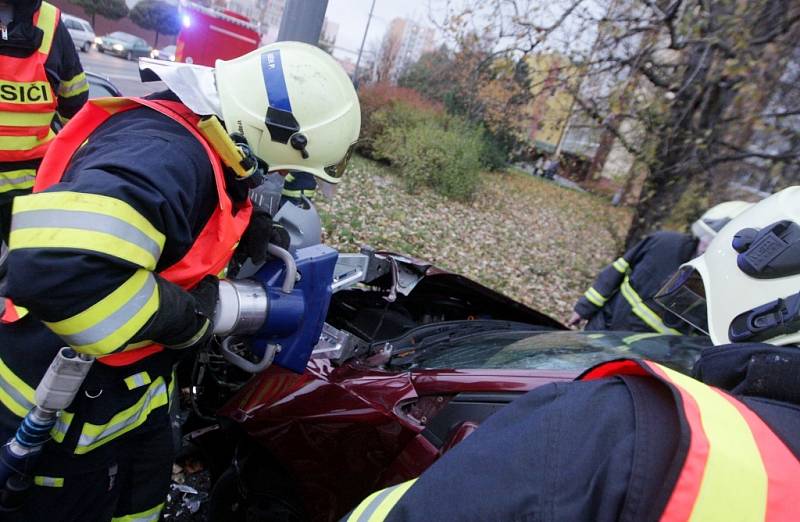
(408, 365)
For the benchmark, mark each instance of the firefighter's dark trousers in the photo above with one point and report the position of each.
(112, 451)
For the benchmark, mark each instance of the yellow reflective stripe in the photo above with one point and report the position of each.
(25, 119)
(137, 380)
(78, 79)
(74, 91)
(734, 462)
(621, 266)
(47, 22)
(17, 179)
(49, 482)
(108, 324)
(140, 344)
(595, 297)
(171, 387)
(389, 502)
(15, 394)
(61, 426)
(642, 311)
(377, 506)
(289, 178)
(151, 515)
(24, 142)
(21, 311)
(34, 92)
(309, 193)
(639, 337)
(355, 516)
(193, 339)
(94, 435)
(85, 222)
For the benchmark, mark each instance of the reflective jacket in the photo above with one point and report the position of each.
(107, 226)
(145, 193)
(32, 87)
(621, 298)
(299, 184)
(631, 441)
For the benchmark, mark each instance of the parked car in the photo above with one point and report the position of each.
(165, 53)
(404, 380)
(80, 30)
(123, 45)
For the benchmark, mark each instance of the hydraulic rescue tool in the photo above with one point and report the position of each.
(274, 314)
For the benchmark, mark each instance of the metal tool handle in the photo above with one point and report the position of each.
(242, 363)
(291, 267)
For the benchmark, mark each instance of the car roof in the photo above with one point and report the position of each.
(73, 17)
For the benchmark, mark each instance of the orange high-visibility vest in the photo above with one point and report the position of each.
(27, 100)
(735, 467)
(212, 249)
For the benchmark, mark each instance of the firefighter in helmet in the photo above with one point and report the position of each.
(621, 298)
(634, 440)
(138, 207)
(41, 80)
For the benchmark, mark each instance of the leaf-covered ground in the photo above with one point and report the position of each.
(526, 237)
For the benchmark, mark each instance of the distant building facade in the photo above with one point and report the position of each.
(551, 103)
(406, 41)
(327, 38)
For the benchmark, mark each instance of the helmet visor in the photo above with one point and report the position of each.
(685, 296)
(336, 171)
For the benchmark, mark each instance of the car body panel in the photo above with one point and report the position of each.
(382, 415)
(355, 422)
(342, 432)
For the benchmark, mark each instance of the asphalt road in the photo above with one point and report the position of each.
(122, 73)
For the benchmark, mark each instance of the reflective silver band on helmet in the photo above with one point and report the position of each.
(337, 171)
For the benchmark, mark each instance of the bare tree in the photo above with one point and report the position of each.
(695, 91)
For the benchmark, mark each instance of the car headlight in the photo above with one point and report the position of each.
(98, 40)
(172, 57)
(117, 47)
(153, 53)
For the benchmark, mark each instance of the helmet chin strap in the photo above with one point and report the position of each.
(194, 85)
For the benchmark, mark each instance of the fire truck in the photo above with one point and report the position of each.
(208, 34)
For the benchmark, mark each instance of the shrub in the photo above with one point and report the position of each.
(442, 152)
(378, 96)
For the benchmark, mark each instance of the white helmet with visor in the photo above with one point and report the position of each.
(294, 105)
(746, 287)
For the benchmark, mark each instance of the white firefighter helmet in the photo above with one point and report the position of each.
(294, 105)
(746, 287)
(717, 217)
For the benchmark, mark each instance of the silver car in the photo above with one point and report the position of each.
(80, 30)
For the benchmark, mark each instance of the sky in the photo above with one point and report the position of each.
(351, 15)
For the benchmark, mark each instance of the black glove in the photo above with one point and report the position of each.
(184, 319)
(261, 232)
